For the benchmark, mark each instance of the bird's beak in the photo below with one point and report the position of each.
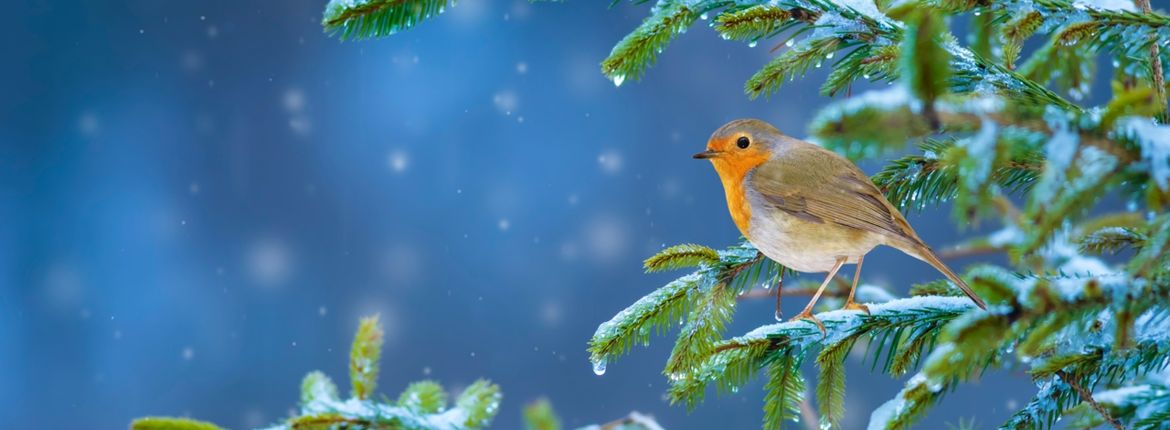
(707, 154)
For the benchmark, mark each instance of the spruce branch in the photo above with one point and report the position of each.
(789, 64)
(316, 385)
(784, 391)
(733, 362)
(364, 19)
(168, 423)
(422, 406)
(1015, 32)
(539, 415)
(1087, 397)
(639, 50)
(759, 21)
(364, 357)
(831, 380)
(1158, 79)
(679, 257)
(423, 397)
(704, 327)
(924, 61)
(1112, 240)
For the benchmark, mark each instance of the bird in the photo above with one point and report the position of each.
(808, 208)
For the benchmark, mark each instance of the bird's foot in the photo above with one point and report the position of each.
(854, 306)
(808, 316)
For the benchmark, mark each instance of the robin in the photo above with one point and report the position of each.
(808, 208)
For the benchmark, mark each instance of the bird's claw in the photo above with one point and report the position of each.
(808, 316)
(854, 306)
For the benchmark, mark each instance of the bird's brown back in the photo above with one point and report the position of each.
(815, 184)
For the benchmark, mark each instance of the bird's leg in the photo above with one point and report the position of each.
(779, 284)
(849, 303)
(806, 314)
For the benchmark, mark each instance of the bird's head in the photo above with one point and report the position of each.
(739, 146)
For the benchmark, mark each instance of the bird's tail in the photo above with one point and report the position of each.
(924, 253)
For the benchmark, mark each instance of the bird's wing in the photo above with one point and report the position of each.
(818, 185)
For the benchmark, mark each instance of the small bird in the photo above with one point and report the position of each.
(808, 208)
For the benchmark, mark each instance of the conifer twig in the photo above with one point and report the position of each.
(1155, 64)
(1087, 397)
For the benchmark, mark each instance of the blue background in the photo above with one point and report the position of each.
(200, 199)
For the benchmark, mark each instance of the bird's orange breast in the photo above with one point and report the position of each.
(737, 204)
(732, 173)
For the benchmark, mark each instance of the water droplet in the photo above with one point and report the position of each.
(790, 42)
(779, 316)
(703, 16)
(752, 44)
(977, 13)
(866, 76)
(599, 367)
(818, 64)
(829, 56)
(618, 79)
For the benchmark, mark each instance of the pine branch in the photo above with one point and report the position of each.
(1087, 397)
(1015, 32)
(831, 381)
(1158, 78)
(167, 423)
(1068, 186)
(364, 357)
(924, 61)
(423, 397)
(639, 50)
(733, 362)
(784, 391)
(681, 256)
(919, 181)
(656, 311)
(317, 385)
(707, 293)
(478, 404)
(760, 21)
(791, 63)
(364, 19)
(539, 415)
(703, 329)
(871, 63)
(1112, 240)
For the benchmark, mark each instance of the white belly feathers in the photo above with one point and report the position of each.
(780, 235)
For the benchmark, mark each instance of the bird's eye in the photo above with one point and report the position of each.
(743, 142)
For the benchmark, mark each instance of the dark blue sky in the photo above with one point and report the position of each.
(200, 199)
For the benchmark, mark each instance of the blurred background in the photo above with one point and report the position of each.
(199, 200)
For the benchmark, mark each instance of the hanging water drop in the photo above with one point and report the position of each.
(818, 64)
(618, 79)
(752, 44)
(866, 76)
(790, 42)
(599, 367)
(977, 13)
(779, 316)
(703, 16)
(829, 56)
